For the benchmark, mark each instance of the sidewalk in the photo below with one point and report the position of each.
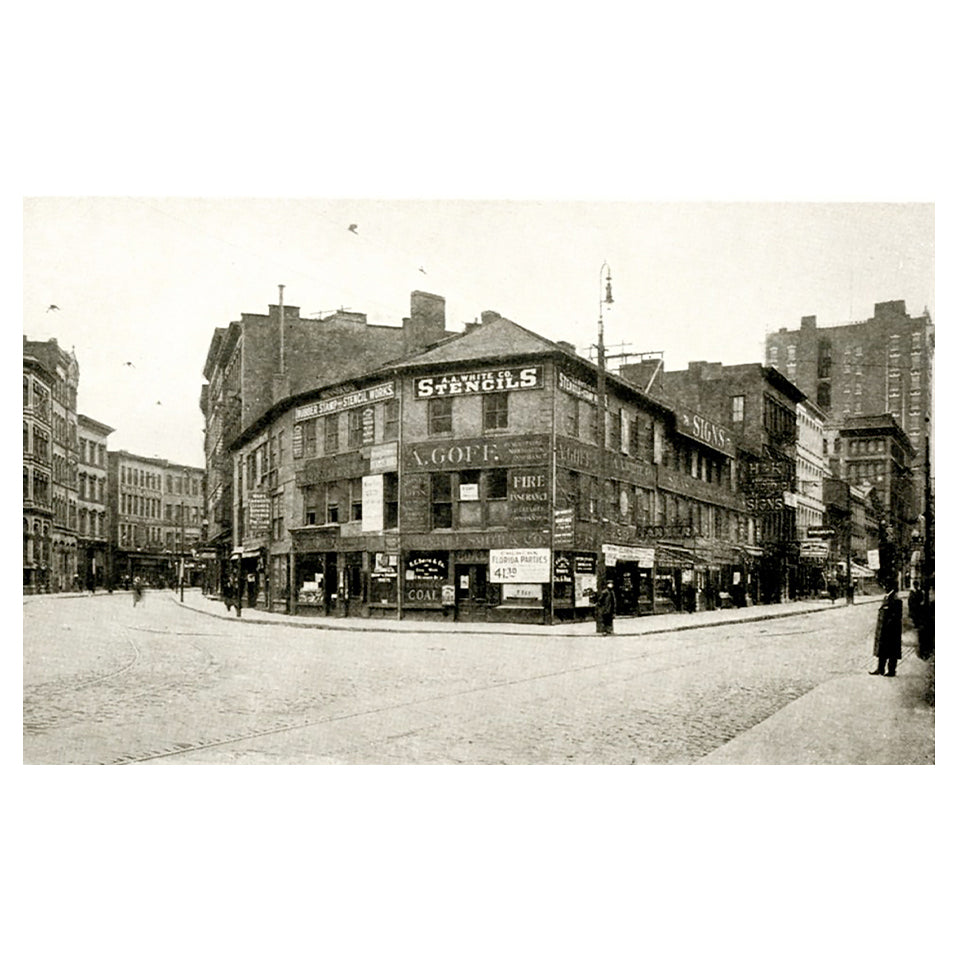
(851, 720)
(624, 626)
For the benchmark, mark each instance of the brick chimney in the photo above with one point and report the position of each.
(426, 323)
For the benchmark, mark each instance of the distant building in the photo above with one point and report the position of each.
(92, 524)
(37, 475)
(64, 377)
(156, 514)
(759, 407)
(881, 365)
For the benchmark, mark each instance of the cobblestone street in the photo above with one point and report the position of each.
(108, 682)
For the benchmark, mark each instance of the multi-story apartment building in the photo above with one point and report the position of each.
(155, 516)
(64, 374)
(758, 406)
(261, 360)
(467, 480)
(92, 525)
(37, 474)
(881, 365)
(873, 452)
(808, 499)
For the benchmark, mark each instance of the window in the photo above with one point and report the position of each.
(391, 420)
(496, 492)
(356, 498)
(309, 433)
(311, 504)
(570, 414)
(331, 433)
(470, 509)
(26, 438)
(495, 411)
(276, 512)
(737, 409)
(440, 499)
(791, 353)
(26, 391)
(354, 429)
(772, 356)
(390, 501)
(613, 429)
(26, 484)
(333, 503)
(440, 415)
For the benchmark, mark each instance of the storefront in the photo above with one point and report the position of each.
(631, 569)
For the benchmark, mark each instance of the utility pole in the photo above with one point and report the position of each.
(849, 588)
(183, 538)
(606, 301)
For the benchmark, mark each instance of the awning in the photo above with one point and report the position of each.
(245, 552)
(667, 554)
(752, 551)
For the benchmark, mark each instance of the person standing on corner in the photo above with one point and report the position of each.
(604, 603)
(886, 639)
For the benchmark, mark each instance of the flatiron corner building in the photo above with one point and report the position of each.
(412, 472)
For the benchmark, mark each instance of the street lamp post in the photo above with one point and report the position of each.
(606, 301)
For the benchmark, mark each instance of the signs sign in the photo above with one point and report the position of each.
(707, 431)
(482, 381)
(513, 565)
(380, 391)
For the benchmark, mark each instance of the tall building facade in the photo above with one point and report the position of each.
(64, 373)
(881, 365)
(92, 524)
(261, 360)
(37, 475)
(155, 517)
(758, 406)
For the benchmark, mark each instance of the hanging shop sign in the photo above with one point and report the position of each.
(320, 408)
(814, 549)
(477, 453)
(520, 565)
(824, 532)
(576, 387)
(497, 380)
(614, 552)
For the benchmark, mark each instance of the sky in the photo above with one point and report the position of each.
(140, 283)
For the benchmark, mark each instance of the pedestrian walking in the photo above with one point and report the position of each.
(137, 590)
(603, 607)
(886, 639)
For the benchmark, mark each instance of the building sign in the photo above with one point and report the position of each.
(297, 441)
(665, 531)
(320, 408)
(772, 504)
(562, 569)
(576, 455)
(366, 426)
(577, 387)
(522, 591)
(371, 520)
(475, 453)
(825, 532)
(383, 458)
(483, 381)
(706, 431)
(528, 491)
(258, 514)
(873, 559)
(469, 491)
(563, 527)
(814, 548)
(520, 565)
(642, 556)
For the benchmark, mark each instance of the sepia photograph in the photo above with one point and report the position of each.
(477, 482)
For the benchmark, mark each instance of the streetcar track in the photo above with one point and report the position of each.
(420, 701)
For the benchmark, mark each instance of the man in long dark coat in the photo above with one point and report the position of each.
(886, 639)
(604, 606)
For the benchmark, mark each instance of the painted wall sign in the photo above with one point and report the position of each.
(528, 492)
(563, 527)
(383, 458)
(660, 531)
(320, 408)
(476, 453)
(371, 520)
(577, 387)
(367, 426)
(478, 381)
(520, 565)
(707, 431)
